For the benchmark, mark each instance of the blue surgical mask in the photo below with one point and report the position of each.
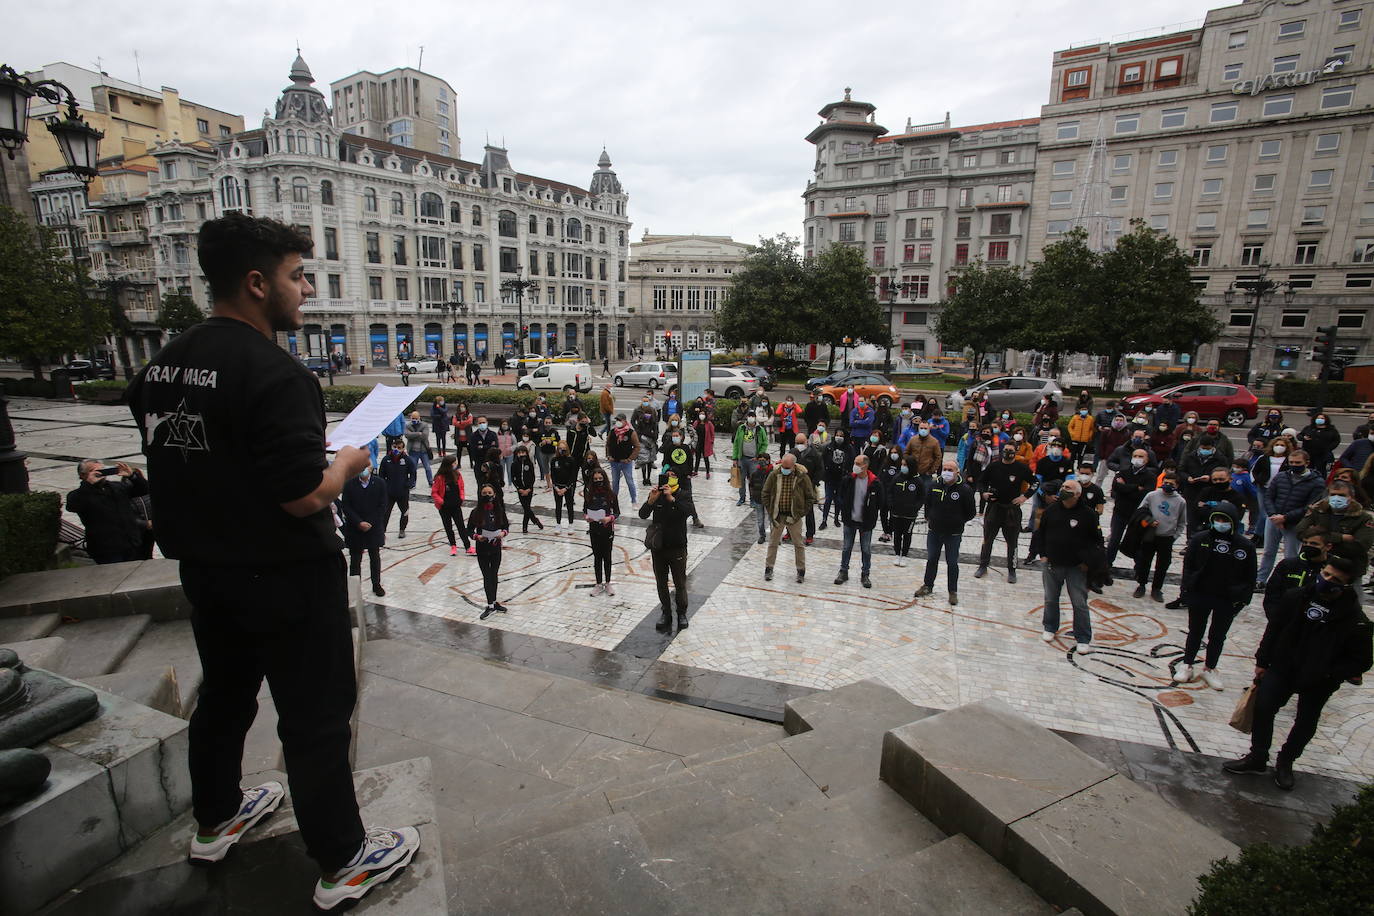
(1320, 421)
(1205, 452)
(784, 471)
(923, 432)
(1338, 502)
(1221, 527)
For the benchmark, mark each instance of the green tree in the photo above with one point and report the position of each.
(178, 312)
(768, 298)
(44, 310)
(985, 311)
(841, 303)
(1148, 301)
(1063, 295)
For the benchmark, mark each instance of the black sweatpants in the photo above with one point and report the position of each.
(374, 563)
(1276, 688)
(489, 561)
(529, 515)
(1161, 551)
(401, 501)
(1221, 611)
(1005, 518)
(453, 518)
(671, 560)
(603, 538)
(290, 625)
(901, 534)
(562, 502)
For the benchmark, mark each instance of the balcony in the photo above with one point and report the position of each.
(141, 316)
(137, 236)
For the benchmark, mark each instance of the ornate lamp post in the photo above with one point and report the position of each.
(517, 287)
(1263, 289)
(891, 303)
(80, 146)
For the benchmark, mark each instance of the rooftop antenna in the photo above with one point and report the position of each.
(137, 68)
(421, 64)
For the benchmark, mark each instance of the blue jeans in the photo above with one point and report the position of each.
(422, 459)
(935, 542)
(1272, 534)
(746, 470)
(865, 547)
(832, 497)
(1055, 578)
(505, 469)
(761, 517)
(625, 469)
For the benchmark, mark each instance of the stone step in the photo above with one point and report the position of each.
(867, 706)
(45, 653)
(734, 749)
(155, 688)
(22, 629)
(170, 645)
(96, 647)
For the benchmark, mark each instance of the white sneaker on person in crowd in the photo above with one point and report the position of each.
(1185, 675)
(597, 589)
(610, 589)
(1211, 679)
(258, 802)
(383, 854)
(1047, 635)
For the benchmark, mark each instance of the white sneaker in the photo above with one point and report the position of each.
(610, 589)
(1185, 675)
(1083, 648)
(1211, 679)
(383, 854)
(1047, 636)
(258, 802)
(597, 589)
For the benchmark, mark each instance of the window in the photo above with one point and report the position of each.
(1257, 219)
(1237, 40)
(509, 259)
(1117, 194)
(1167, 159)
(433, 251)
(1241, 318)
(202, 125)
(1364, 251)
(914, 317)
(1345, 54)
(224, 131)
(1293, 318)
(1337, 97)
(402, 289)
(1164, 190)
(1320, 179)
(1295, 29)
(927, 197)
(1061, 198)
(1356, 281)
(1003, 193)
(850, 204)
(476, 215)
(1160, 222)
(851, 172)
(1007, 157)
(1223, 112)
(398, 204)
(370, 200)
(331, 244)
(1127, 123)
(1313, 216)
(169, 169)
(1057, 226)
(479, 257)
(1064, 168)
(1276, 105)
(969, 161)
(431, 208)
(848, 231)
(505, 224)
(1328, 144)
(1173, 117)
(479, 292)
(1211, 187)
(879, 233)
(961, 254)
(997, 251)
(1301, 281)
(1264, 184)
(327, 193)
(923, 252)
(879, 256)
(1122, 163)
(1066, 130)
(1077, 78)
(1251, 255)
(927, 227)
(908, 253)
(1305, 253)
(1167, 71)
(966, 197)
(374, 287)
(1001, 224)
(909, 228)
(1270, 150)
(1132, 75)
(1218, 152)
(880, 207)
(548, 228)
(1286, 64)
(1349, 19)
(1230, 72)
(335, 286)
(963, 227)
(1202, 255)
(300, 191)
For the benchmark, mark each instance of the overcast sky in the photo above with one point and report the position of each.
(702, 106)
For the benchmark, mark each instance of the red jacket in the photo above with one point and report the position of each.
(439, 489)
(784, 414)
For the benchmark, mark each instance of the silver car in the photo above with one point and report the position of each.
(733, 383)
(1010, 392)
(653, 375)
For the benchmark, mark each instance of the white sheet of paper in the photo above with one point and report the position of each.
(369, 418)
(595, 515)
(491, 535)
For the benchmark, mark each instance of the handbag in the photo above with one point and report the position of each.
(653, 536)
(735, 482)
(1243, 717)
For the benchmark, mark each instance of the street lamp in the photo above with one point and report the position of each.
(80, 146)
(1263, 289)
(517, 286)
(891, 303)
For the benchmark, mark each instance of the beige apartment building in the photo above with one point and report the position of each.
(920, 204)
(677, 283)
(404, 106)
(1248, 138)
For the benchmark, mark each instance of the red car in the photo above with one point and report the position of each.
(1233, 405)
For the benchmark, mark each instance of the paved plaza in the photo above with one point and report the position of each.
(815, 635)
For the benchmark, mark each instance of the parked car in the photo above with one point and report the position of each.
(318, 365)
(763, 375)
(733, 383)
(839, 377)
(428, 364)
(874, 388)
(558, 376)
(1010, 392)
(81, 370)
(653, 375)
(1231, 404)
(569, 354)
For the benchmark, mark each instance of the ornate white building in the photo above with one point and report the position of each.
(677, 284)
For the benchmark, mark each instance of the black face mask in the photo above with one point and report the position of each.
(1310, 554)
(1328, 587)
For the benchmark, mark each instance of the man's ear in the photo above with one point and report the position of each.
(256, 285)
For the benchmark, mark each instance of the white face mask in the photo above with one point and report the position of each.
(1138, 462)
(1280, 449)
(856, 469)
(1018, 437)
(947, 476)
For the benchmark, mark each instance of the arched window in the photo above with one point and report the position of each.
(276, 188)
(370, 200)
(230, 194)
(276, 141)
(455, 212)
(300, 191)
(548, 226)
(318, 145)
(574, 230)
(601, 236)
(327, 192)
(431, 206)
(505, 224)
(290, 142)
(398, 204)
(476, 215)
(534, 225)
(300, 142)
(620, 238)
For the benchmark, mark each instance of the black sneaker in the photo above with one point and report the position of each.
(761, 539)
(842, 578)
(1157, 596)
(1247, 764)
(866, 582)
(801, 575)
(379, 591)
(768, 574)
(500, 607)
(1283, 775)
(980, 572)
(486, 613)
(1139, 591)
(1176, 605)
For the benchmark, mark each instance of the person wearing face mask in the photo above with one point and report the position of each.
(1286, 500)
(601, 508)
(810, 460)
(861, 419)
(417, 444)
(523, 478)
(505, 441)
(677, 457)
(949, 507)
(905, 498)
(1168, 412)
(1129, 487)
(849, 398)
(749, 445)
(397, 471)
(787, 423)
(1267, 428)
(462, 427)
(861, 502)
(888, 470)
(875, 451)
(975, 453)
(1317, 640)
(488, 527)
(1021, 441)
(644, 420)
(1320, 440)
(439, 422)
(1357, 453)
(607, 404)
(1006, 485)
(1085, 401)
(904, 427)
(924, 452)
(1217, 570)
(757, 478)
(672, 406)
(447, 494)
(788, 495)
(1195, 472)
(1244, 485)
(814, 414)
(1082, 433)
(704, 438)
(547, 447)
(579, 436)
(1113, 431)
(1162, 442)
(1046, 411)
(666, 539)
(490, 470)
(939, 426)
(622, 448)
(572, 406)
(563, 471)
(1149, 538)
(1296, 572)
(365, 505)
(1067, 537)
(836, 460)
(481, 439)
(1092, 493)
(1341, 518)
(1120, 457)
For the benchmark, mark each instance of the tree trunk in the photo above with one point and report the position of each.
(830, 365)
(1113, 370)
(1054, 365)
(977, 364)
(36, 365)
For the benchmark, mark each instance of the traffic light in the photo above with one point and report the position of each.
(1326, 345)
(524, 330)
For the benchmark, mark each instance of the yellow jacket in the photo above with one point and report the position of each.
(1082, 429)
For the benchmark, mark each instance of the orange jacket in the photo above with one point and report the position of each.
(1082, 429)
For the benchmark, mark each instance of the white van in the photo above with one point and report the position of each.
(558, 377)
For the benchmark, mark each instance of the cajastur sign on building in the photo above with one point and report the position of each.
(1287, 80)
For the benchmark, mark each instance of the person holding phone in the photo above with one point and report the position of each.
(105, 503)
(488, 527)
(667, 543)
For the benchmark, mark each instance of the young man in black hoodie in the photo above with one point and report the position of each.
(1317, 639)
(837, 457)
(1295, 572)
(949, 507)
(1006, 486)
(1217, 571)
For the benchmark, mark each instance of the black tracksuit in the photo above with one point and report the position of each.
(1218, 576)
(1002, 483)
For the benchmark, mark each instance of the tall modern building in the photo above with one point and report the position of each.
(1248, 138)
(404, 106)
(677, 284)
(920, 204)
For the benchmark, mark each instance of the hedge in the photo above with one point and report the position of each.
(28, 531)
(343, 398)
(1328, 875)
(28, 387)
(1303, 393)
